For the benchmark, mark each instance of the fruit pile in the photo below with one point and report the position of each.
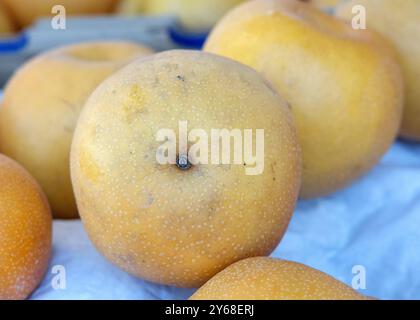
(84, 122)
(195, 16)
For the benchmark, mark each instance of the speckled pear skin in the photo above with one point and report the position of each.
(263, 278)
(41, 105)
(344, 86)
(400, 24)
(172, 226)
(25, 231)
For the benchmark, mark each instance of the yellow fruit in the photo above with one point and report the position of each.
(27, 11)
(41, 106)
(264, 278)
(344, 86)
(173, 226)
(7, 25)
(131, 7)
(400, 23)
(25, 231)
(194, 15)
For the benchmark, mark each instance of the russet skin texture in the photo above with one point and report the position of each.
(27, 11)
(344, 86)
(195, 15)
(41, 105)
(399, 22)
(25, 231)
(263, 278)
(164, 224)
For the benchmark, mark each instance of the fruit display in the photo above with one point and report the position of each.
(36, 125)
(263, 278)
(400, 26)
(175, 224)
(25, 231)
(344, 86)
(278, 161)
(194, 15)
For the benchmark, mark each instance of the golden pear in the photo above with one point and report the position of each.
(263, 278)
(344, 86)
(399, 22)
(41, 105)
(181, 222)
(25, 231)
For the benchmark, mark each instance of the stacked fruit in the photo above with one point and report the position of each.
(329, 99)
(195, 15)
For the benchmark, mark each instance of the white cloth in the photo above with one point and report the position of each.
(374, 223)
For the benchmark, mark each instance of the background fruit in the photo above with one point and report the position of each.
(7, 25)
(195, 15)
(271, 279)
(344, 86)
(25, 231)
(159, 222)
(41, 105)
(27, 11)
(400, 23)
(131, 7)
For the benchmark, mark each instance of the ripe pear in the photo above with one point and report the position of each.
(182, 222)
(25, 231)
(263, 278)
(344, 86)
(41, 105)
(399, 22)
